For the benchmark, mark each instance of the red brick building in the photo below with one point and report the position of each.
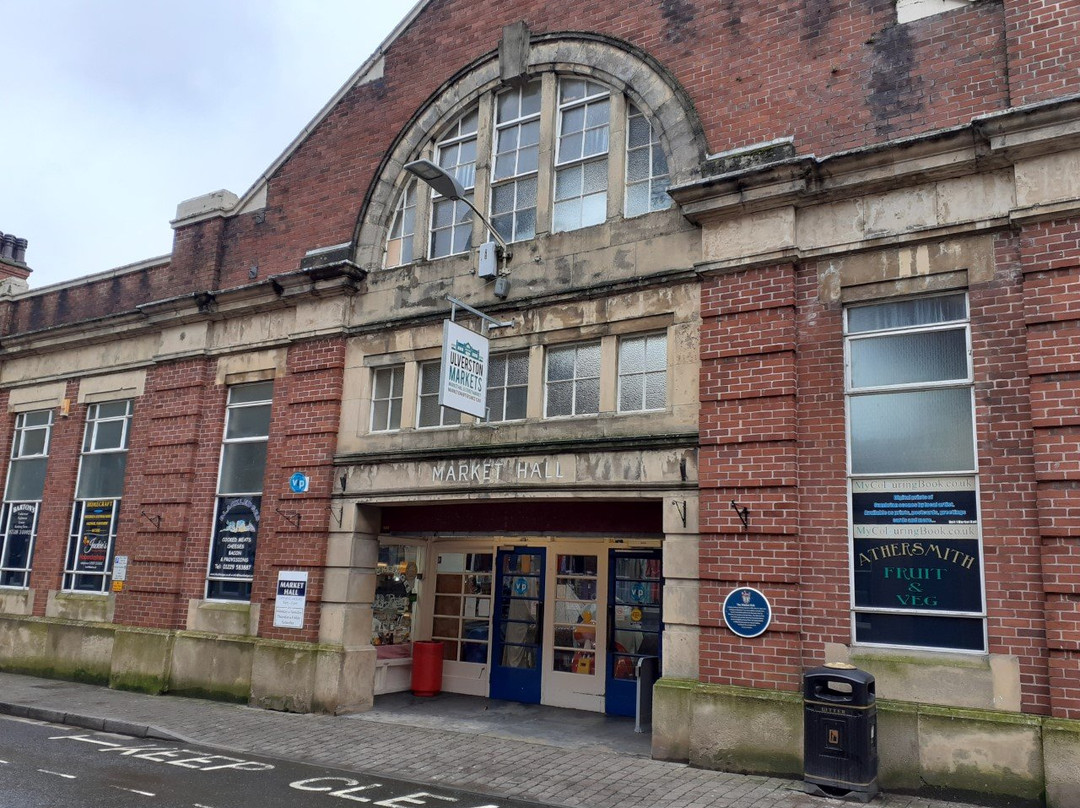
(791, 312)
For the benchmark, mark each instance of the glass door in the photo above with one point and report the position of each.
(516, 653)
(574, 673)
(635, 590)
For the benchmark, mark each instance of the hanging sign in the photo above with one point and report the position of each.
(291, 599)
(747, 612)
(463, 375)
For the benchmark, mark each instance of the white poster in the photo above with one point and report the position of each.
(463, 376)
(291, 599)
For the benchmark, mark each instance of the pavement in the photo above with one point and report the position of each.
(499, 749)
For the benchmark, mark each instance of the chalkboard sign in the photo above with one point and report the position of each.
(936, 575)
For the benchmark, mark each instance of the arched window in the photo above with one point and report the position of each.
(549, 167)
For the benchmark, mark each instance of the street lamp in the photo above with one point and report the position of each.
(446, 184)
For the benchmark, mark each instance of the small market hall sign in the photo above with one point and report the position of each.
(464, 370)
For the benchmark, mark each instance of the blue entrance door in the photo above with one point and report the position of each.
(519, 622)
(634, 609)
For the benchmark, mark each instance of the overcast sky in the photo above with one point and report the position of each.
(114, 111)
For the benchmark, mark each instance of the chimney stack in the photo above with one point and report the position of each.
(13, 257)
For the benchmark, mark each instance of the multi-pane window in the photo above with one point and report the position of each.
(916, 556)
(909, 385)
(573, 380)
(463, 605)
(646, 166)
(451, 219)
(22, 496)
(102, 464)
(508, 386)
(581, 164)
(517, 148)
(428, 411)
(643, 372)
(239, 491)
(399, 241)
(388, 385)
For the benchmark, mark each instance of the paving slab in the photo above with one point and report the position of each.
(551, 757)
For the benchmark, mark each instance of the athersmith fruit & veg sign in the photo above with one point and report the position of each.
(463, 375)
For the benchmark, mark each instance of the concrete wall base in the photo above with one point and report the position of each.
(277, 675)
(985, 756)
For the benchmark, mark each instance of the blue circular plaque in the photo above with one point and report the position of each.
(747, 612)
(299, 482)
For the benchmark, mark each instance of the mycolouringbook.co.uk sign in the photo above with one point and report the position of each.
(463, 377)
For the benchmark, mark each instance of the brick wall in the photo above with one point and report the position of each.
(1049, 258)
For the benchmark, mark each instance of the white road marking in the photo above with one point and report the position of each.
(136, 791)
(58, 774)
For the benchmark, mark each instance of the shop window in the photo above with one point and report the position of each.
(396, 592)
(399, 241)
(239, 492)
(451, 219)
(388, 385)
(575, 614)
(428, 411)
(647, 177)
(516, 163)
(462, 615)
(573, 380)
(102, 465)
(916, 554)
(22, 496)
(508, 386)
(643, 372)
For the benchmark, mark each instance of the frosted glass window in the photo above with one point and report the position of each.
(926, 356)
(581, 182)
(912, 432)
(388, 389)
(647, 177)
(508, 386)
(907, 314)
(573, 380)
(452, 219)
(399, 241)
(428, 411)
(516, 161)
(643, 373)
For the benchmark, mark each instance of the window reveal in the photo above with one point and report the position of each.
(916, 558)
(22, 496)
(102, 465)
(239, 495)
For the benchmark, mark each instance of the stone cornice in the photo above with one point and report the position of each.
(987, 143)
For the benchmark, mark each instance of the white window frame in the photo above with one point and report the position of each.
(580, 161)
(401, 236)
(461, 214)
(852, 391)
(72, 574)
(517, 180)
(222, 581)
(9, 574)
(447, 415)
(658, 179)
(575, 380)
(504, 385)
(397, 375)
(644, 374)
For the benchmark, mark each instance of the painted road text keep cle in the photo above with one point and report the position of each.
(187, 758)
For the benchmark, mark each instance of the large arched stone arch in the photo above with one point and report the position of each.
(615, 63)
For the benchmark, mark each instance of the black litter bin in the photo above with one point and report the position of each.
(840, 757)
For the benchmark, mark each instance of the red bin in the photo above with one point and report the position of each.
(427, 657)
